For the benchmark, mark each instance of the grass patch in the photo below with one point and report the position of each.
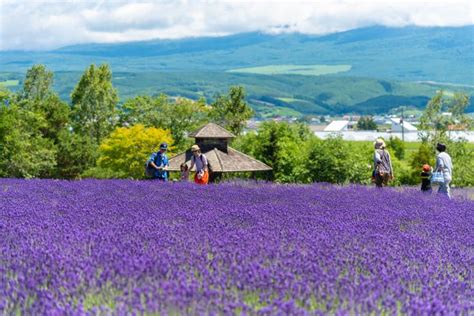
(288, 100)
(306, 70)
(252, 299)
(268, 110)
(9, 83)
(103, 297)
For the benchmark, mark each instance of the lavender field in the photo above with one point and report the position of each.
(140, 247)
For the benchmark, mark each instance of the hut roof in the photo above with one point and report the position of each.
(232, 161)
(211, 130)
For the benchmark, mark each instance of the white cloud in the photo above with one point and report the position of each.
(50, 24)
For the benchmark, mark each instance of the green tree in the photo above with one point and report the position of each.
(292, 166)
(31, 124)
(283, 147)
(246, 143)
(462, 154)
(441, 113)
(75, 154)
(359, 163)
(424, 155)
(55, 114)
(327, 160)
(397, 146)
(334, 160)
(232, 111)
(38, 97)
(94, 101)
(124, 152)
(180, 117)
(146, 110)
(366, 123)
(296, 155)
(6, 97)
(24, 152)
(185, 116)
(38, 82)
(272, 137)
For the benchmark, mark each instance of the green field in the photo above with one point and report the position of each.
(268, 110)
(288, 100)
(305, 70)
(9, 83)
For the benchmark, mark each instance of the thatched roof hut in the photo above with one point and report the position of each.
(214, 143)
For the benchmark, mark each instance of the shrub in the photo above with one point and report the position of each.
(124, 153)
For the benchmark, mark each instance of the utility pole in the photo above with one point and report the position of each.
(402, 123)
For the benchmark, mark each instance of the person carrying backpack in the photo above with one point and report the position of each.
(383, 171)
(157, 164)
(202, 165)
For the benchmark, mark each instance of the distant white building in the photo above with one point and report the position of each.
(337, 126)
(381, 120)
(398, 126)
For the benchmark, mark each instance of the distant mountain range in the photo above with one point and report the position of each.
(373, 60)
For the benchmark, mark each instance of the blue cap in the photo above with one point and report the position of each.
(164, 146)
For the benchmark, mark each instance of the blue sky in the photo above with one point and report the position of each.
(40, 25)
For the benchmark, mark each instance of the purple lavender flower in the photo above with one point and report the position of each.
(101, 247)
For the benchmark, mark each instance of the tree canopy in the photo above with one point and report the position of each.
(231, 111)
(97, 136)
(94, 102)
(124, 152)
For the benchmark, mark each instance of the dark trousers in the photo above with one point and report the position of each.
(381, 180)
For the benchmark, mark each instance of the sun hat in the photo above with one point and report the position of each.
(379, 143)
(195, 148)
(426, 167)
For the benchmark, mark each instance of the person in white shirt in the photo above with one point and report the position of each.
(444, 165)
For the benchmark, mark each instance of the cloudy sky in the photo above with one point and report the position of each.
(39, 24)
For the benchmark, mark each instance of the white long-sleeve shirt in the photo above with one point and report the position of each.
(444, 164)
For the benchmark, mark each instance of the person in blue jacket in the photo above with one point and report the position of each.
(158, 164)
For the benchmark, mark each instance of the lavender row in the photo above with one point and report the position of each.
(100, 247)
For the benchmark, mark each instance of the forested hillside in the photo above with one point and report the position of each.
(369, 70)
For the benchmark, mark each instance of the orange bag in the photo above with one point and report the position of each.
(203, 180)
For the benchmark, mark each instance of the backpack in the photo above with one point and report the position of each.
(384, 166)
(209, 167)
(149, 170)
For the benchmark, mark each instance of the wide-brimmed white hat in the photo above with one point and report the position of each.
(379, 143)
